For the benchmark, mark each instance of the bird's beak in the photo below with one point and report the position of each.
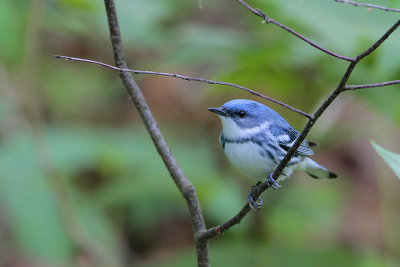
(219, 111)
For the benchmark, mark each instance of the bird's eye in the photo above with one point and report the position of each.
(242, 113)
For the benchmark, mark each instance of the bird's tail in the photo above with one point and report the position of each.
(315, 170)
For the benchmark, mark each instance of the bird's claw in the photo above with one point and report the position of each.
(254, 203)
(271, 182)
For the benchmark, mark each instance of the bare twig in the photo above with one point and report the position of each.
(379, 42)
(184, 185)
(372, 85)
(201, 235)
(368, 5)
(211, 232)
(187, 78)
(267, 19)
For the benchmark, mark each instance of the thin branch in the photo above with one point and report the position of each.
(220, 229)
(201, 235)
(368, 5)
(372, 85)
(379, 42)
(267, 19)
(258, 190)
(187, 78)
(184, 185)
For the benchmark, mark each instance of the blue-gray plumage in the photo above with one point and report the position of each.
(255, 138)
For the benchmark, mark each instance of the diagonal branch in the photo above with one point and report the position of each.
(184, 185)
(201, 234)
(372, 85)
(379, 42)
(187, 78)
(368, 5)
(267, 19)
(259, 189)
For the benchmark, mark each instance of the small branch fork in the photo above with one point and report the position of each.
(268, 20)
(201, 234)
(368, 5)
(217, 230)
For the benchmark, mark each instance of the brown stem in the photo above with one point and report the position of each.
(372, 85)
(379, 42)
(184, 185)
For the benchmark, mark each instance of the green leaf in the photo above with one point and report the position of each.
(395, 3)
(392, 159)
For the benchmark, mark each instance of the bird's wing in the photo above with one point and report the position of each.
(286, 137)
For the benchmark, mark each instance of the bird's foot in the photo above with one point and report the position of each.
(271, 182)
(257, 203)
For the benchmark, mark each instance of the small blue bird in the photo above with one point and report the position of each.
(255, 139)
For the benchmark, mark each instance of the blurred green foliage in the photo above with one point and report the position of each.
(126, 208)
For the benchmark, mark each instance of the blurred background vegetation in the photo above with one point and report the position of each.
(82, 185)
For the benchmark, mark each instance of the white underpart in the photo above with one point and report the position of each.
(246, 157)
(248, 160)
(311, 167)
(233, 131)
(308, 163)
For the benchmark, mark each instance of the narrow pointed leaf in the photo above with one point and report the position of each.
(392, 159)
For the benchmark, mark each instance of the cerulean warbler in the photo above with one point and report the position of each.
(255, 139)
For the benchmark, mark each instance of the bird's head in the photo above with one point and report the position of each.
(240, 116)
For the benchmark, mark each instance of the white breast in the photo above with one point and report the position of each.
(246, 156)
(247, 159)
(233, 131)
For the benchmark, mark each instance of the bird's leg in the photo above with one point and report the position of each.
(271, 182)
(258, 203)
